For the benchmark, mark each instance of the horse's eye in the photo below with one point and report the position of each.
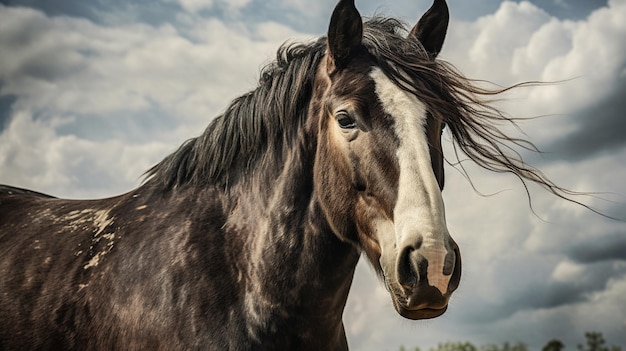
(345, 121)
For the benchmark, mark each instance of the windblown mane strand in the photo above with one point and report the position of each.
(256, 125)
(461, 103)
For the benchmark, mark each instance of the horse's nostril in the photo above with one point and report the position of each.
(411, 268)
(406, 276)
(455, 280)
(449, 263)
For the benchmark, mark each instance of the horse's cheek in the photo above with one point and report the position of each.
(335, 193)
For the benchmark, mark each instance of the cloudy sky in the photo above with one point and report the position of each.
(93, 92)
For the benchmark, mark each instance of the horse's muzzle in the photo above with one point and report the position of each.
(425, 280)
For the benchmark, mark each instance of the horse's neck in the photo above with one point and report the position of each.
(296, 272)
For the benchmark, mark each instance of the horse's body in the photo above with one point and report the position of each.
(247, 237)
(149, 271)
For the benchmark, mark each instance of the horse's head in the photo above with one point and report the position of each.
(379, 163)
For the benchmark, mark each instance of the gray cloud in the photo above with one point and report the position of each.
(565, 9)
(133, 127)
(6, 102)
(607, 248)
(541, 293)
(551, 294)
(570, 9)
(105, 11)
(86, 9)
(601, 129)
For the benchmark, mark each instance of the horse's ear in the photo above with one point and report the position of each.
(345, 35)
(431, 29)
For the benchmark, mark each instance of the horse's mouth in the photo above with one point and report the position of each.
(423, 313)
(415, 311)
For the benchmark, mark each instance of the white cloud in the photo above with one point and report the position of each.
(502, 33)
(64, 71)
(520, 42)
(567, 271)
(552, 39)
(69, 165)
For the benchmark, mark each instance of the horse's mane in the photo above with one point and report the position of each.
(267, 119)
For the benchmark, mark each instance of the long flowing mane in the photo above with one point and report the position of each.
(265, 118)
(259, 124)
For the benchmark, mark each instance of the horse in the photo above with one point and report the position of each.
(247, 237)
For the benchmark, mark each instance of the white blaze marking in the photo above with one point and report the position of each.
(419, 208)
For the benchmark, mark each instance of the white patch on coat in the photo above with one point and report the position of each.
(96, 221)
(102, 221)
(86, 219)
(419, 210)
